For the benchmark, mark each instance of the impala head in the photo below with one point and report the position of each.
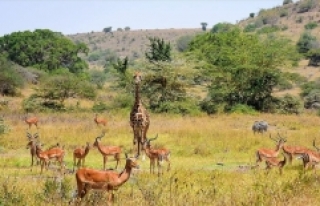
(132, 161)
(98, 139)
(137, 78)
(32, 139)
(147, 142)
(280, 140)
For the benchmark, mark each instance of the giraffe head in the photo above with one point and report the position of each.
(137, 78)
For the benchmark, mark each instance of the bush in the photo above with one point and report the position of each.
(242, 109)
(283, 13)
(178, 107)
(183, 42)
(311, 25)
(99, 107)
(305, 6)
(251, 15)
(289, 105)
(287, 2)
(268, 29)
(250, 28)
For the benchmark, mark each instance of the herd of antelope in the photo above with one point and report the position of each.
(88, 178)
(270, 156)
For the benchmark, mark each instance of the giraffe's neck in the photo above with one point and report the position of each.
(137, 99)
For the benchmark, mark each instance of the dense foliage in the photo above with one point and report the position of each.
(242, 68)
(43, 49)
(10, 79)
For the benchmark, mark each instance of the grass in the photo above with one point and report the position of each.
(209, 158)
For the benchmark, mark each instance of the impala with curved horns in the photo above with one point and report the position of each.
(159, 155)
(311, 158)
(263, 153)
(103, 180)
(292, 151)
(107, 151)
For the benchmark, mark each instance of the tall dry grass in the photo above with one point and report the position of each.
(210, 158)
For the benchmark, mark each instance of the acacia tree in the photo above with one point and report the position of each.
(43, 49)
(242, 68)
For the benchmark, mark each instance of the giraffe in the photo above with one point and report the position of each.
(139, 117)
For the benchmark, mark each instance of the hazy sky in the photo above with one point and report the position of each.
(77, 16)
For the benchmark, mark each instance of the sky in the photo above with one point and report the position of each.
(79, 16)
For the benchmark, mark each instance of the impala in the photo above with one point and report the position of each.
(156, 155)
(45, 156)
(80, 154)
(32, 146)
(103, 180)
(275, 162)
(292, 151)
(311, 157)
(107, 151)
(263, 154)
(31, 121)
(100, 121)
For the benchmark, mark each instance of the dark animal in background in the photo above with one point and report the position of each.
(260, 127)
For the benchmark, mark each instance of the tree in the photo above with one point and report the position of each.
(251, 15)
(10, 79)
(165, 86)
(242, 67)
(127, 28)
(55, 90)
(204, 26)
(107, 29)
(159, 50)
(43, 49)
(287, 2)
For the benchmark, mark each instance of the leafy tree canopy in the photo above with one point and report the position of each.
(243, 68)
(43, 49)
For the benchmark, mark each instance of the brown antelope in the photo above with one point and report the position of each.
(107, 151)
(156, 155)
(275, 162)
(31, 121)
(56, 153)
(100, 121)
(311, 158)
(103, 180)
(33, 139)
(263, 154)
(80, 154)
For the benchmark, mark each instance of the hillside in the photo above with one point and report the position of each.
(126, 43)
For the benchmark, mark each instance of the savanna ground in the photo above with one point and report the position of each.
(206, 152)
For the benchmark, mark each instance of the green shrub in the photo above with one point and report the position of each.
(268, 29)
(179, 107)
(242, 109)
(287, 2)
(251, 15)
(99, 107)
(283, 13)
(250, 28)
(305, 6)
(311, 25)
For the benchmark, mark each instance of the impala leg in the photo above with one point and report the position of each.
(83, 161)
(74, 163)
(105, 158)
(290, 158)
